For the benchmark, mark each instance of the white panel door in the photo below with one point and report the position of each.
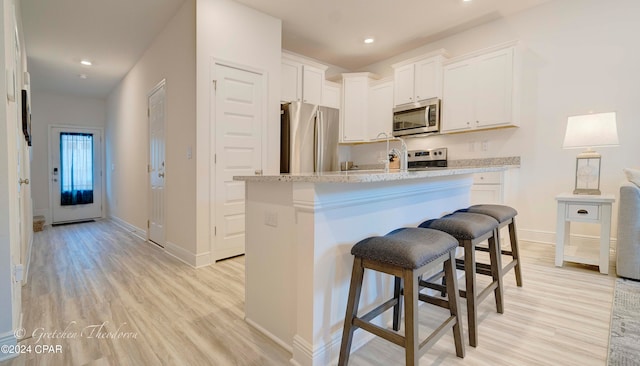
(76, 173)
(458, 97)
(404, 84)
(291, 87)
(312, 83)
(239, 106)
(157, 115)
(427, 80)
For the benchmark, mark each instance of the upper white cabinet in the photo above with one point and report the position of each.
(331, 95)
(480, 90)
(418, 78)
(380, 111)
(355, 104)
(302, 80)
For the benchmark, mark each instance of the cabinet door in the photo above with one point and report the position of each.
(486, 194)
(458, 97)
(331, 96)
(291, 79)
(404, 84)
(312, 83)
(354, 109)
(380, 110)
(427, 80)
(494, 88)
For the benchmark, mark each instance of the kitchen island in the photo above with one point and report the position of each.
(299, 233)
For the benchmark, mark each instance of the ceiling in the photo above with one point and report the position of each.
(114, 33)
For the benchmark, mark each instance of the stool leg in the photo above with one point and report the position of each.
(496, 271)
(355, 289)
(397, 308)
(515, 251)
(412, 341)
(470, 277)
(453, 299)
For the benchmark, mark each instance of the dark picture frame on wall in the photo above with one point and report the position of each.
(26, 116)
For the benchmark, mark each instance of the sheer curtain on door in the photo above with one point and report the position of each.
(76, 168)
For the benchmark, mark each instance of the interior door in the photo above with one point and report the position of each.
(157, 103)
(76, 173)
(239, 105)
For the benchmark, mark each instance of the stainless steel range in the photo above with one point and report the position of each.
(424, 159)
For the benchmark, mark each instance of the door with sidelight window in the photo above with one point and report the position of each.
(76, 173)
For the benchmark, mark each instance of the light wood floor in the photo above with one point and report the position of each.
(89, 274)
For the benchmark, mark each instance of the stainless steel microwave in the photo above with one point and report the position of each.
(420, 117)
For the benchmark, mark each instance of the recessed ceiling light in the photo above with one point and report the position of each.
(83, 76)
(369, 40)
(86, 62)
(466, 1)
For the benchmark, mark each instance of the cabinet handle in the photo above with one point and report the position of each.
(583, 212)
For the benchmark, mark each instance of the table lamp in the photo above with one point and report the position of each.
(589, 131)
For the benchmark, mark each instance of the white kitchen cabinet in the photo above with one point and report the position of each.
(480, 90)
(354, 111)
(331, 95)
(418, 78)
(301, 80)
(380, 109)
(487, 188)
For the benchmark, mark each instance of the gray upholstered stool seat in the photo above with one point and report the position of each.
(470, 229)
(405, 254)
(407, 248)
(505, 216)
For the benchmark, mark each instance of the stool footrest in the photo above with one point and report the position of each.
(379, 310)
(434, 300)
(384, 333)
(437, 334)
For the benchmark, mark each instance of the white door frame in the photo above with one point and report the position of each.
(161, 84)
(212, 135)
(101, 162)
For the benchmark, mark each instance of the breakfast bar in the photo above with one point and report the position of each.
(299, 232)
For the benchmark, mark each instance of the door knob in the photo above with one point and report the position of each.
(161, 175)
(258, 172)
(24, 181)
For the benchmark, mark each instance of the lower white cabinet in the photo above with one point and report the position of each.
(487, 188)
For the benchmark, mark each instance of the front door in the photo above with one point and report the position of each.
(76, 174)
(239, 114)
(156, 105)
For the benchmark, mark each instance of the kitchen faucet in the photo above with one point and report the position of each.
(403, 152)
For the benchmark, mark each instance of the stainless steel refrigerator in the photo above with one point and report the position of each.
(308, 138)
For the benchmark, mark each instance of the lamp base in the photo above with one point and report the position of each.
(592, 192)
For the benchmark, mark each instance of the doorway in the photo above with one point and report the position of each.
(76, 173)
(157, 113)
(239, 111)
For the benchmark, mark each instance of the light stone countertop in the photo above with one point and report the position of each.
(368, 176)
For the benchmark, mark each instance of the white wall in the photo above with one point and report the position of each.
(171, 56)
(231, 32)
(581, 56)
(56, 109)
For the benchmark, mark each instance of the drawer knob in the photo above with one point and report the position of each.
(583, 212)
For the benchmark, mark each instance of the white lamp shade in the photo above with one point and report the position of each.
(591, 130)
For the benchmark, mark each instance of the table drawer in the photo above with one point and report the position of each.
(582, 211)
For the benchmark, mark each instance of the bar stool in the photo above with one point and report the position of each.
(505, 215)
(406, 254)
(471, 229)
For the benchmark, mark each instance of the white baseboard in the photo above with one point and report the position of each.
(8, 339)
(269, 335)
(140, 233)
(194, 260)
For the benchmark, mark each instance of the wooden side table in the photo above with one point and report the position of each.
(584, 208)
